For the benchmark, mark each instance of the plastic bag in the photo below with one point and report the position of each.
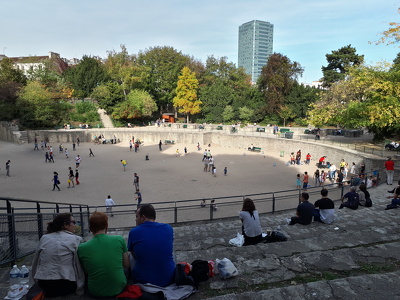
(237, 241)
(226, 268)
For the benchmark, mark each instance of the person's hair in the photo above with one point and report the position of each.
(248, 205)
(362, 187)
(148, 211)
(109, 196)
(98, 221)
(305, 196)
(58, 222)
(298, 175)
(305, 173)
(324, 192)
(353, 188)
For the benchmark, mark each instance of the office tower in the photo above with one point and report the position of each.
(255, 46)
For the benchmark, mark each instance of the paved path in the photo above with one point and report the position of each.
(105, 119)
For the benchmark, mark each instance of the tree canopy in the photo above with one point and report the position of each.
(276, 81)
(85, 76)
(339, 63)
(186, 99)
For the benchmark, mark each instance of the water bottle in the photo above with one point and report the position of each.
(14, 276)
(24, 275)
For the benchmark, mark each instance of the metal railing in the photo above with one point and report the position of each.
(22, 222)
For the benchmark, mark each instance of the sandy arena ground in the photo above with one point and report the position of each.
(164, 177)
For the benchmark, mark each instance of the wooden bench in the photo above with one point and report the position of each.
(254, 149)
(169, 142)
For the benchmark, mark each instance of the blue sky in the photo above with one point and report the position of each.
(304, 30)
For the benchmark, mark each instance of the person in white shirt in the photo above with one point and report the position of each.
(109, 205)
(251, 227)
(324, 209)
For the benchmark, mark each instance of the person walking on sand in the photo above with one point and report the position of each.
(138, 197)
(136, 181)
(91, 152)
(77, 177)
(305, 181)
(51, 158)
(77, 161)
(71, 178)
(8, 168)
(109, 205)
(56, 181)
(124, 163)
(66, 153)
(160, 145)
(225, 171)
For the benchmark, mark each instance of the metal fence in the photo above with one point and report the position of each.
(23, 222)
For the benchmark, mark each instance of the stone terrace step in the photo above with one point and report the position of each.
(356, 255)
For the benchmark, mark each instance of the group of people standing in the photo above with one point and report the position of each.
(209, 162)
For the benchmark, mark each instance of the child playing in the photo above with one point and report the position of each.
(298, 182)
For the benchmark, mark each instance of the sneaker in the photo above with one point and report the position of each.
(287, 220)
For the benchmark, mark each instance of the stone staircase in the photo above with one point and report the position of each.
(357, 257)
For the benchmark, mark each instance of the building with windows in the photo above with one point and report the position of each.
(255, 46)
(31, 63)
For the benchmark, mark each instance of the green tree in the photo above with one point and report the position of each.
(38, 107)
(246, 114)
(186, 94)
(369, 97)
(214, 99)
(11, 81)
(8, 97)
(124, 69)
(276, 81)
(10, 74)
(85, 76)
(163, 65)
(108, 95)
(139, 104)
(228, 113)
(300, 98)
(396, 63)
(339, 62)
(286, 113)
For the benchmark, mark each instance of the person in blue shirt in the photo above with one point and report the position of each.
(352, 199)
(151, 246)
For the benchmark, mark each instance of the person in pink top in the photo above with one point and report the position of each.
(389, 166)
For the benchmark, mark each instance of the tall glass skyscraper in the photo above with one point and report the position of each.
(255, 46)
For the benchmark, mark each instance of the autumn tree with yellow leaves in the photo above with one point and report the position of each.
(186, 100)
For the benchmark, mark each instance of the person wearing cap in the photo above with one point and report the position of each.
(389, 166)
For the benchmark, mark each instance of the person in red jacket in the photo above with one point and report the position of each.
(389, 166)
